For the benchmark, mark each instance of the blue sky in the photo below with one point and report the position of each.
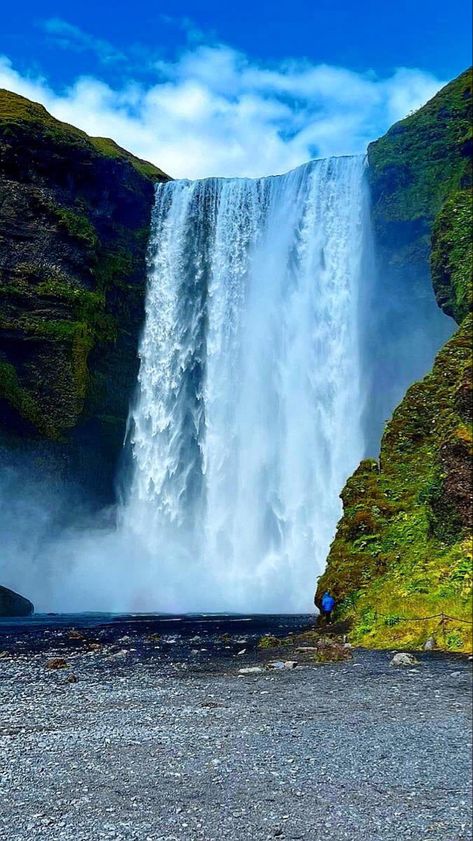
(203, 87)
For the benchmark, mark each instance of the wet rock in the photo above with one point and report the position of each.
(72, 678)
(12, 604)
(331, 652)
(56, 663)
(74, 634)
(282, 664)
(402, 658)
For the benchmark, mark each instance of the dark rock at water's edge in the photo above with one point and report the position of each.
(74, 221)
(12, 604)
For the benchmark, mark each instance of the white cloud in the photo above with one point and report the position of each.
(213, 111)
(71, 37)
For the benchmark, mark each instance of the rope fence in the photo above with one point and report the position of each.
(444, 617)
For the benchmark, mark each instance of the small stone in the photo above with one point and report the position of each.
(74, 634)
(429, 644)
(290, 664)
(404, 659)
(72, 678)
(250, 670)
(275, 664)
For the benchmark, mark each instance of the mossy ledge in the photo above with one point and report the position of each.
(74, 221)
(403, 548)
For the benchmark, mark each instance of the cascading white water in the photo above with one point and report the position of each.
(247, 419)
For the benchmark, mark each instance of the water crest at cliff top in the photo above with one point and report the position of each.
(247, 417)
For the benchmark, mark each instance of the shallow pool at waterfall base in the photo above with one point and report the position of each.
(210, 636)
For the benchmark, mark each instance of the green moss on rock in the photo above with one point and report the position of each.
(452, 255)
(405, 162)
(403, 548)
(16, 396)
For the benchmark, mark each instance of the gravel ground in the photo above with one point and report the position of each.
(155, 745)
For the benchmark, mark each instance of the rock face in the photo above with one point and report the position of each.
(12, 604)
(74, 221)
(403, 545)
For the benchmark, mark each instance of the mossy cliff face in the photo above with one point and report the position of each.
(74, 220)
(416, 167)
(403, 547)
(413, 171)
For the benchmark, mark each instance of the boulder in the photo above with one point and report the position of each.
(12, 604)
(56, 663)
(429, 644)
(404, 659)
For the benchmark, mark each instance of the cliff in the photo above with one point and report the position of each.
(403, 546)
(74, 221)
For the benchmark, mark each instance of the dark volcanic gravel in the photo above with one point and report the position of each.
(163, 740)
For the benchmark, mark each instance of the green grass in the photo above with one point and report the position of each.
(17, 112)
(424, 158)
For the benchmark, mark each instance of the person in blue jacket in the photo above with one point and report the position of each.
(327, 604)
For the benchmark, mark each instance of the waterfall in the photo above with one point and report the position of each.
(247, 419)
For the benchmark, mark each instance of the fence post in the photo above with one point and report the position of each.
(442, 624)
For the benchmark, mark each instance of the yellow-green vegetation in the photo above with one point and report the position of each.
(107, 146)
(403, 548)
(76, 226)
